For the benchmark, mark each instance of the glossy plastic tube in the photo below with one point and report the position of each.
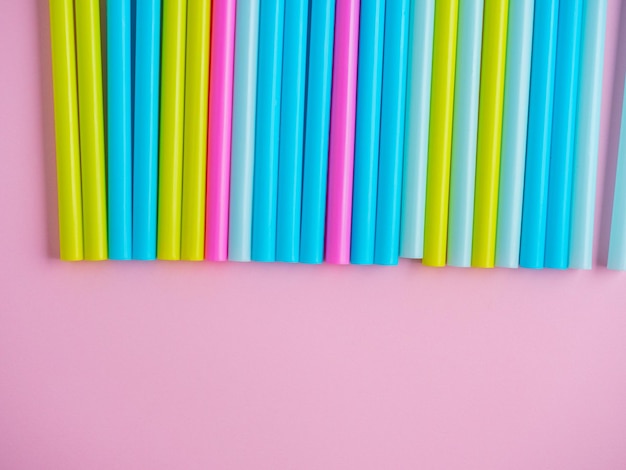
(367, 132)
(417, 128)
(195, 140)
(120, 125)
(489, 133)
(587, 133)
(293, 100)
(514, 130)
(563, 135)
(66, 129)
(172, 128)
(538, 141)
(319, 83)
(146, 128)
(342, 122)
(440, 134)
(464, 133)
(391, 160)
(617, 246)
(220, 128)
(91, 118)
(244, 119)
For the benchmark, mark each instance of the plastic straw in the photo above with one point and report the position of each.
(119, 127)
(367, 132)
(291, 145)
(587, 133)
(342, 121)
(417, 128)
(534, 210)
(489, 133)
(91, 118)
(269, 76)
(617, 246)
(514, 130)
(388, 207)
(146, 128)
(319, 84)
(66, 129)
(563, 135)
(464, 134)
(171, 136)
(244, 118)
(195, 140)
(220, 128)
(440, 134)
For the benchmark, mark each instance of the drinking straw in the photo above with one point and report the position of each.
(244, 117)
(195, 138)
(91, 119)
(342, 122)
(514, 128)
(387, 243)
(417, 128)
(269, 76)
(587, 133)
(66, 129)
(534, 209)
(119, 127)
(319, 83)
(171, 135)
(440, 133)
(367, 131)
(220, 128)
(146, 128)
(563, 135)
(617, 244)
(292, 131)
(464, 133)
(489, 133)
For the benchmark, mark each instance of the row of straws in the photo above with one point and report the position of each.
(459, 132)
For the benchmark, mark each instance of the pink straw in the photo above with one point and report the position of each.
(342, 125)
(220, 128)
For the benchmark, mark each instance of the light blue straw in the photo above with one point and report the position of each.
(244, 119)
(617, 247)
(464, 136)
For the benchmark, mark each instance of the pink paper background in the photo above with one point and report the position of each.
(231, 366)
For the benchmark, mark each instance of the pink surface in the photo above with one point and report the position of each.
(342, 122)
(256, 366)
(220, 128)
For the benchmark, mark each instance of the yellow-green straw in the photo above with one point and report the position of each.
(195, 146)
(489, 133)
(440, 134)
(91, 117)
(171, 132)
(66, 129)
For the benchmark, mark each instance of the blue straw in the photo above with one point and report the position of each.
(464, 136)
(319, 83)
(367, 136)
(391, 156)
(587, 134)
(534, 210)
(120, 151)
(617, 247)
(146, 129)
(514, 129)
(244, 118)
(419, 74)
(563, 135)
(292, 131)
(267, 130)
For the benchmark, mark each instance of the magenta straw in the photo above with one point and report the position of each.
(220, 128)
(342, 121)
